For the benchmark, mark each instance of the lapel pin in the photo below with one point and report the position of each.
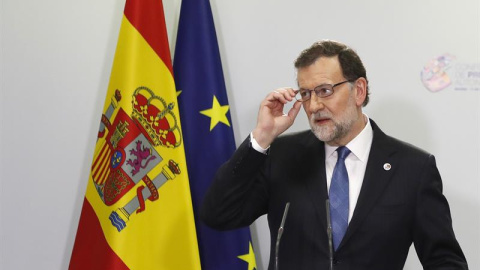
(387, 166)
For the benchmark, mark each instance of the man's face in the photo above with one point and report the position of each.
(335, 119)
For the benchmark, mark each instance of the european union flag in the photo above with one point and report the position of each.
(207, 129)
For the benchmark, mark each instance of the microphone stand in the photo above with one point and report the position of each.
(280, 232)
(329, 233)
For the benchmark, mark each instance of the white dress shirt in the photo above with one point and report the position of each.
(356, 163)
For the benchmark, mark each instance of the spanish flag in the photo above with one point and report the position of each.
(137, 212)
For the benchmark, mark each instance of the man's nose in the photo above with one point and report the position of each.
(315, 103)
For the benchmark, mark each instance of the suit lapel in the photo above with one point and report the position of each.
(316, 183)
(375, 180)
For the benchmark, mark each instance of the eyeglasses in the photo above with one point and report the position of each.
(322, 91)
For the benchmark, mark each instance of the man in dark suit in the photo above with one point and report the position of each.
(384, 194)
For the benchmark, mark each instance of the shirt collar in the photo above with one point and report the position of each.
(359, 146)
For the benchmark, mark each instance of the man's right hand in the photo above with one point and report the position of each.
(271, 121)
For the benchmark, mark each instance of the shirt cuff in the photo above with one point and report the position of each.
(256, 146)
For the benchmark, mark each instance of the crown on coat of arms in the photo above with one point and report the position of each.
(156, 118)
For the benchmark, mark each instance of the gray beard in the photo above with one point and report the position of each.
(328, 134)
(341, 127)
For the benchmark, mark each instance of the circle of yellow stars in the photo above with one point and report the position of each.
(217, 113)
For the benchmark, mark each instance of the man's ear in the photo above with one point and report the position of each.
(360, 87)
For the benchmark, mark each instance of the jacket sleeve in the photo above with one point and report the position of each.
(238, 194)
(434, 239)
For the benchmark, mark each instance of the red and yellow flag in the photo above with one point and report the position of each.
(137, 212)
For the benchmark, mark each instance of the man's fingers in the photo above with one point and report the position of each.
(283, 95)
(293, 112)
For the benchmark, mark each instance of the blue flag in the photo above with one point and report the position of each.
(207, 130)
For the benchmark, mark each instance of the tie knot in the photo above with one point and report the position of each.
(343, 152)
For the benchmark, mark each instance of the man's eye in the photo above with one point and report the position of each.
(304, 93)
(323, 91)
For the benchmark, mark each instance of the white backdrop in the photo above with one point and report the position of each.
(56, 57)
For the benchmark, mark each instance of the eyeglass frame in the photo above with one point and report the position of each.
(332, 86)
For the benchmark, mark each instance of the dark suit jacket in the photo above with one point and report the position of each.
(395, 208)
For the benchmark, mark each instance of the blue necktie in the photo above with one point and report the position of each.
(339, 197)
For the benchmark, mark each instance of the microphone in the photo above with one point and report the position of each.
(329, 233)
(280, 232)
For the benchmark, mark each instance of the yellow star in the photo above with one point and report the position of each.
(217, 113)
(249, 258)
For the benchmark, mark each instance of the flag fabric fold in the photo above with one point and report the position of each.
(137, 211)
(207, 129)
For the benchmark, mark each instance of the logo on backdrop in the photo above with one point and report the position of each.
(443, 71)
